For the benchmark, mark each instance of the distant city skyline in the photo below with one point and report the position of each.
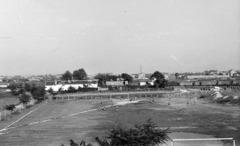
(53, 36)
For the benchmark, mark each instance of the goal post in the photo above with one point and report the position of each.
(207, 141)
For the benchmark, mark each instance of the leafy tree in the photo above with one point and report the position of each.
(176, 75)
(5, 79)
(147, 134)
(112, 77)
(15, 92)
(10, 107)
(71, 89)
(24, 98)
(159, 79)
(67, 76)
(27, 87)
(127, 77)
(207, 72)
(79, 89)
(21, 91)
(79, 74)
(102, 78)
(51, 91)
(38, 92)
(12, 87)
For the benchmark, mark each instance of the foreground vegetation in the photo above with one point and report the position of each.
(146, 134)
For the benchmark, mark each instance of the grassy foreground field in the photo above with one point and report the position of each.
(202, 117)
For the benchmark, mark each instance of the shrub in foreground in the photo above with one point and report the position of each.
(10, 107)
(147, 134)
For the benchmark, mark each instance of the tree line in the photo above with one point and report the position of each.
(80, 74)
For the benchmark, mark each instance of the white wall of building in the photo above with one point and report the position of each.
(66, 86)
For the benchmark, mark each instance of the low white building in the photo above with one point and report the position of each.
(50, 84)
(3, 85)
(75, 84)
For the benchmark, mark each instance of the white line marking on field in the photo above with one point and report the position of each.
(50, 119)
(46, 120)
(6, 128)
(22, 117)
(33, 123)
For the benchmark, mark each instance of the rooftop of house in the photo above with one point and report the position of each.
(82, 82)
(141, 80)
(50, 83)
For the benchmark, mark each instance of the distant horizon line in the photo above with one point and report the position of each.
(125, 72)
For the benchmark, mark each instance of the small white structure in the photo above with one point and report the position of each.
(217, 88)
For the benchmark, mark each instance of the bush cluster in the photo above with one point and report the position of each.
(146, 134)
(73, 90)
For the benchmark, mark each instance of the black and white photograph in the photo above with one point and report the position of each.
(119, 73)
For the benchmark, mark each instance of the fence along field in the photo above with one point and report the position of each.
(5, 99)
(109, 95)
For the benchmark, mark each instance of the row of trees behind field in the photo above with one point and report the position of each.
(80, 74)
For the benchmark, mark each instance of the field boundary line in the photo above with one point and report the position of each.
(49, 119)
(46, 120)
(6, 128)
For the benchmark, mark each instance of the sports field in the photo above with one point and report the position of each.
(56, 122)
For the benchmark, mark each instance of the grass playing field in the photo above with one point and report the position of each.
(53, 124)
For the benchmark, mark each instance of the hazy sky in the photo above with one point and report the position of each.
(52, 36)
